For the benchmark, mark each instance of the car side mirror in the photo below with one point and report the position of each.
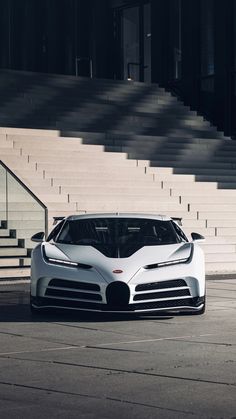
(197, 237)
(38, 237)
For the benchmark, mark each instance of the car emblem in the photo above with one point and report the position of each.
(117, 271)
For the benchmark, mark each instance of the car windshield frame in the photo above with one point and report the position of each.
(118, 237)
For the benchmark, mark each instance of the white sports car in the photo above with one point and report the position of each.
(118, 263)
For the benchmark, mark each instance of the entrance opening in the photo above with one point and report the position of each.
(134, 42)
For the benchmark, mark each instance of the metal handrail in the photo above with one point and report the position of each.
(78, 59)
(27, 189)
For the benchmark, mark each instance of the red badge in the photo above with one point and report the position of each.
(117, 271)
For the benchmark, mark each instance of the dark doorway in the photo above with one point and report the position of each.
(133, 37)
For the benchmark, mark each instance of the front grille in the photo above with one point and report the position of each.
(175, 283)
(118, 294)
(188, 302)
(72, 294)
(64, 288)
(64, 283)
(162, 294)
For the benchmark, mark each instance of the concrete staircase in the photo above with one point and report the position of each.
(117, 146)
(14, 257)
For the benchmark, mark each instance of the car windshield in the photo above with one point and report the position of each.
(118, 237)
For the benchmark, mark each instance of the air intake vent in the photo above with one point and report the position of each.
(64, 283)
(160, 285)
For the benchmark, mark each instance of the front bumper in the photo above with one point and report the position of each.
(175, 295)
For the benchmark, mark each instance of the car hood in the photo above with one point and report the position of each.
(129, 266)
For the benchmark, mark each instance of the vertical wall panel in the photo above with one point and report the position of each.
(160, 41)
(223, 64)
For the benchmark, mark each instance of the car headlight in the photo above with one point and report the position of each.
(171, 262)
(63, 262)
(168, 263)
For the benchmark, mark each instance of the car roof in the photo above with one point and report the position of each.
(119, 215)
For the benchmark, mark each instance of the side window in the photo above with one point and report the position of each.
(179, 232)
(55, 231)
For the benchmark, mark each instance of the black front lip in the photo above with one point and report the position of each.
(195, 303)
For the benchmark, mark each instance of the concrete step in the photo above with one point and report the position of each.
(106, 106)
(53, 198)
(184, 187)
(62, 147)
(211, 207)
(84, 172)
(5, 151)
(28, 224)
(103, 204)
(219, 240)
(29, 131)
(194, 224)
(4, 232)
(83, 157)
(12, 251)
(123, 116)
(13, 263)
(215, 215)
(85, 91)
(199, 190)
(213, 199)
(78, 176)
(226, 231)
(125, 190)
(223, 222)
(60, 206)
(219, 248)
(92, 181)
(211, 169)
(81, 165)
(123, 128)
(27, 233)
(221, 267)
(226, 185)
(37, 182)
(5, 145)
(30, 207)
(17, 273)
(172, 177)
(139, 141)
(18, 162)
(196, 168)
(25, 215)
(206, 232)
(118, 138)
(221, 258)
(191, 165)
(222, 180)
(8, 242)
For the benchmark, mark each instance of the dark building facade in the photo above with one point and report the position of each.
(188, 46)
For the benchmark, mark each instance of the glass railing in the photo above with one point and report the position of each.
(20, 209)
